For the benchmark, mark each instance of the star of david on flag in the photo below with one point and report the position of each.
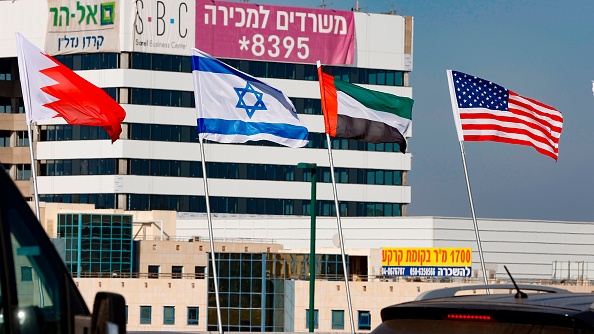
(234, 107)
(249, 109)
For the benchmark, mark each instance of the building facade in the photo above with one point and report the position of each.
(97, 243)
(531, 249)
(263, 271)
(155, 165)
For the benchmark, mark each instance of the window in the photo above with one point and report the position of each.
(153, 271)
(176, 271)
(193, 315)
(23, 172)
(5, 105)
(4, 138)
(199, 271)
(168, 315)
(145, 315)
(26, 274)
(364, 320)
(337, 319)
(22, 138)
(315, 318)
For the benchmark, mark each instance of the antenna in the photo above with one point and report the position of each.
(357, 8)
(323, 5)
(519, 294)
(393, 10)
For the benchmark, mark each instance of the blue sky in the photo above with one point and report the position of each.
(541, 49)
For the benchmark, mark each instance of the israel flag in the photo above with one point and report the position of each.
(234, 107)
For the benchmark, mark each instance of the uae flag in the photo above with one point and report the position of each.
(351, 111)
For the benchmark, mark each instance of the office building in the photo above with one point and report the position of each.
(144, 64)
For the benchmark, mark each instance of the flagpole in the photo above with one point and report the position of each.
(476, 230)
(33, 170)
(210, 236)
(340, 236)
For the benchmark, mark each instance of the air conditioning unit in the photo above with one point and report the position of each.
(197, 238)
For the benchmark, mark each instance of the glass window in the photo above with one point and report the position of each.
(153, 271)
(193, 315)
(157, 62)
(337, 319)
(176, 271)
(199, 271)
(379, 177)
(388, 210)
(4, 138)
(399, 79)
(26, 274)
(310, 73)
(381, 77)
(372, 76)
(5, 105)
(175, 63)
(389, 177)
(22, 138)
(186, 64)
(370, 177)
(146, 61)
(168, 315)
(315, 319)
(364, 320)
(145, 315)
(390, 78)
(23, 172)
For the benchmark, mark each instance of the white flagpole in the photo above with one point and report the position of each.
(461, 141)
(475, 223)
(340, 236)
(33, 170)
(28, 110)
(210, 236)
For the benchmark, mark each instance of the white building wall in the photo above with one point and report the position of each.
(372, 49)
(528, 248)
(29, 17)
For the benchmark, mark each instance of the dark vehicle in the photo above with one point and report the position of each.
(546, 310)
(37, 293)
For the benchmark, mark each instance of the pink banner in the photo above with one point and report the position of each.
(275, 33)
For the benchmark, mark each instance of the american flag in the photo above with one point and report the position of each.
(486, 111)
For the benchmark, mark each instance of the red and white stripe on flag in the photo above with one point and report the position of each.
(50, 90)
(525, 122)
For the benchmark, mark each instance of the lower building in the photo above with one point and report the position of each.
(262, 264)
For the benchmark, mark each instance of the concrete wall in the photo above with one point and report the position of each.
(330, 295)
(190, 254)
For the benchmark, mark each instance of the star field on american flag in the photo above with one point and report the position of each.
(474, 92)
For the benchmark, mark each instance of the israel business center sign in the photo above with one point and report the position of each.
(164, 26)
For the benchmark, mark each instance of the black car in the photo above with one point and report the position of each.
(545, 310)
(37, 293)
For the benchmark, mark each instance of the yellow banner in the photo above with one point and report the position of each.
(427, 257)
